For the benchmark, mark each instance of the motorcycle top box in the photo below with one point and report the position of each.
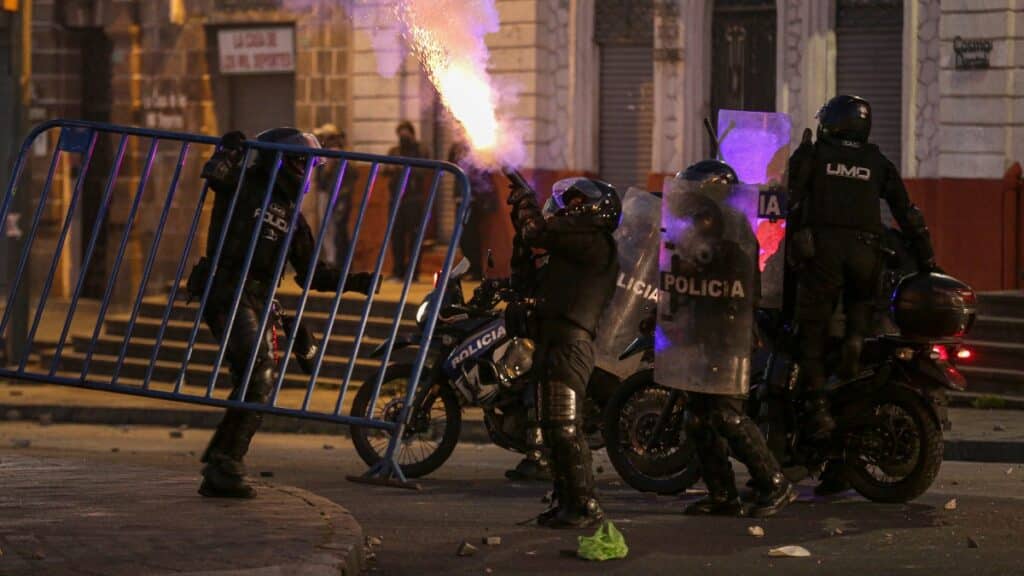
(933, 306)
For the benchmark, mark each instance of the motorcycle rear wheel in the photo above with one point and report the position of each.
(894, 447)
(431, 435)
(666, 467)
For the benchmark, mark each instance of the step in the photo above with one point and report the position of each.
(998, 329)
(154, 307)
(1007, 303)
(198, 374)
(983, 380)
(999, 355)
(346, 326)
(202, 353)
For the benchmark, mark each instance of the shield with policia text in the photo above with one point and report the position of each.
(636, 290)
(709, 285)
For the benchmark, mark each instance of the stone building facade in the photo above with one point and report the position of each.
(957, 129)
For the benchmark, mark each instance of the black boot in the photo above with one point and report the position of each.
(224, 473)
(832, 481)
(722, 498)
(772, 491)
(818, 422)
(577, 507)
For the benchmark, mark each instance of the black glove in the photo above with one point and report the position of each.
(517, 316)
(362, 282)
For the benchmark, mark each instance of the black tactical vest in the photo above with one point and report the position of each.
(846, 187)
(577, 292)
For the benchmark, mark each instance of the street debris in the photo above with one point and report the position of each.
(755, 531)
(45, 419)
(328, 447)
(492, 540)
(1009, 470)
(267, 474)
(999, 428)
(789, 552)
(607, 543)
(531, 552)
(951, 505)
(115, 450)
(21, 443)
(971, 542)
(39, 555)
(183, 427)
(374, 541)
(466, 549)
(176, 434)
(488, 571)
(835, 531)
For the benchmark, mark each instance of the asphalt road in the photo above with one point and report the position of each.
(468, 499)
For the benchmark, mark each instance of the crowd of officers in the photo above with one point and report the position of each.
(836, 183)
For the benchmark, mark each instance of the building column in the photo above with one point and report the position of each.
(806, 59)
(584, 87)
(921, 88)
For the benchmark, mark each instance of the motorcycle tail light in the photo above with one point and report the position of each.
(964, 354)
(939, 353)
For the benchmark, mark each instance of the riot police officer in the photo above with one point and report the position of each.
(572, 288)
(717, 423)
(224, 473)
(836, 184)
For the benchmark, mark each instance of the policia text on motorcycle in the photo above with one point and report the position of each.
(224, 473)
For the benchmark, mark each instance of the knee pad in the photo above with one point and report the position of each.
(558, 404)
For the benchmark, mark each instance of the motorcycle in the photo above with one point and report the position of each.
(473, 363)
(890, 417)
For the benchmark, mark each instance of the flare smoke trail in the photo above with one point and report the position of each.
(447, 38)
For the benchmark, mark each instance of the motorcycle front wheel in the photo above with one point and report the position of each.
(893, 447)
(649, 460)
(433, 429)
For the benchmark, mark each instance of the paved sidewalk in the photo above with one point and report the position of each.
(63, 516)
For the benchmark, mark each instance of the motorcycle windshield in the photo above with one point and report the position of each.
(709, 284)
(636, 291)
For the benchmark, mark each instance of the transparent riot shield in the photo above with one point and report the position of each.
(636, 291)
(709, 283)
(757, 146)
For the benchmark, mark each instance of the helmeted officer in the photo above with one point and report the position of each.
(717, 423)
(836, 184)
(224, 473)
(572, 289)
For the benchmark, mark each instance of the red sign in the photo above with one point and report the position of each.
(256, 50)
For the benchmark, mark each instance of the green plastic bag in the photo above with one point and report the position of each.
(606, 544)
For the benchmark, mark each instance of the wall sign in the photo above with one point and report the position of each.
(256, 50)
(971, 54)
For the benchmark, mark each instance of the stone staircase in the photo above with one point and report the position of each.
(997, 341)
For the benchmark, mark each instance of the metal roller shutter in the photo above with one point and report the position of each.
(626, 114)
(869, 64)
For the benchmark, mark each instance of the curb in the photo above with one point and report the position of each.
(473, 431)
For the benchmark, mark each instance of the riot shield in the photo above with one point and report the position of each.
(709, 283)
(756, 145)
(636, 291)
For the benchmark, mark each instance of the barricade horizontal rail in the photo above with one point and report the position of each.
(117, 221)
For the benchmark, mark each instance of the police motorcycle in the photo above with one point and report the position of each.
(890, 417)
(473, 363)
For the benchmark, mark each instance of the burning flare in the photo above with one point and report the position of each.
(447, 38)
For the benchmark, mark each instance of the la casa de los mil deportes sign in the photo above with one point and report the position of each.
(971, 54)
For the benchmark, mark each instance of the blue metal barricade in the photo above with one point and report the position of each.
(75, 143)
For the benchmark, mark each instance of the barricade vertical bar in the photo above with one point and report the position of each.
(48, 284)
(17, 172)
(282, 258)
(314, 260)
(213, 272)
(389, 465)
(15, 284)
(108, 292)
(350, 369)
(243, 277)
(174, 286)
(329, 328)
(148, 268)
(101, 214)
(405, 290)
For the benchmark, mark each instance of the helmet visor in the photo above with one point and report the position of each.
(565, 190)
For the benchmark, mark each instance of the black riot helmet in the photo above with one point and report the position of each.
(591, 199)
(292, 164)
(845, 118)
(710, 171)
